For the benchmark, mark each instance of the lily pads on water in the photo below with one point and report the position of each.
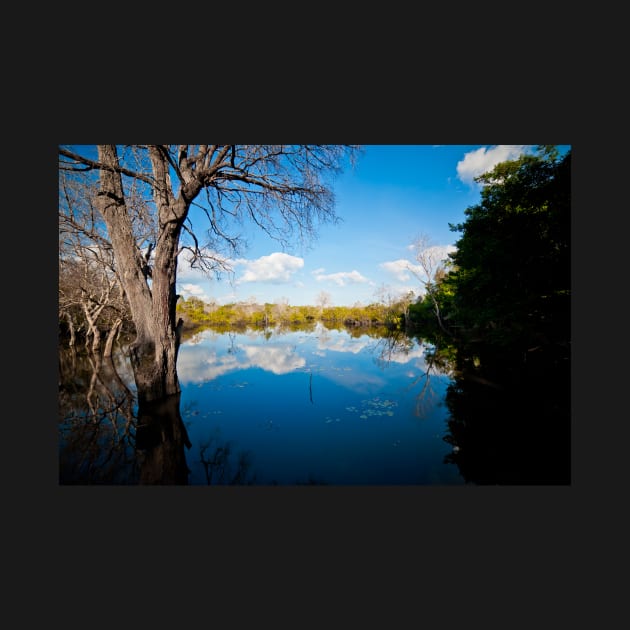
(374, 407)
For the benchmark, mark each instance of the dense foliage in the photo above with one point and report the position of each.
(509, 285)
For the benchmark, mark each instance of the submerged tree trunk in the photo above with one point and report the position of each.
(154, 351)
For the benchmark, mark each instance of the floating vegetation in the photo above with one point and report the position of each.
(374, 407)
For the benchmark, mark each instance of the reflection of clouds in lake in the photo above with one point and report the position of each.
(279, 359)
(342, 344)
(357, 381)
(405, 357)
(198, 364)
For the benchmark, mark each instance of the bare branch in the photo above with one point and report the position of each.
(93, 164)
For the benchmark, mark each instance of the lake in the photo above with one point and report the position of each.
(272, 407)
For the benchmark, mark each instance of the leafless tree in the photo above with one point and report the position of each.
(405, 301)
(284, 190)
(432, 262)
(323, 300)
(91, 296)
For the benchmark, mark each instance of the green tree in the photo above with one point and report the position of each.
(512, 265)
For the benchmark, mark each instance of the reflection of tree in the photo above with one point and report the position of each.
(219, 470)
(396, 343)
(512, 425)
(109, 434)
(393, 343)
(97, 422)
(160, 440)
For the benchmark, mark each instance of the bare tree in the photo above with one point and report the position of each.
(281, 308)
(323, 300)
(386, 296)
(405, 301)
(432, 261)
(91, 297)
(284, 190)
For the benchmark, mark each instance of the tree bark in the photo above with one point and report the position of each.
(109, 343)
(154, 351)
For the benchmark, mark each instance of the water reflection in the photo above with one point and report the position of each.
(98, 421)
(318, 406)
(108, 437)
(510, 422)
(160, 441)
(222, 465)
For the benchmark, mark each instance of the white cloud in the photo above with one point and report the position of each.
(188, 290)
(485, 159)
(342, 277)
(276, 268)
(439, 253)
(402, 269)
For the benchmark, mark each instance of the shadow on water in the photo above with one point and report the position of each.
(510, 422)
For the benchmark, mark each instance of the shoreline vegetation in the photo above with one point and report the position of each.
(194, 313)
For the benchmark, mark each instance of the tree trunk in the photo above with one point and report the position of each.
(71, 329)
(154, 351)
(436, 308)
(109, 343)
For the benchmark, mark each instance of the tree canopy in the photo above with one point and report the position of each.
(510, 280)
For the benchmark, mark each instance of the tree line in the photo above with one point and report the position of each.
(195, 312)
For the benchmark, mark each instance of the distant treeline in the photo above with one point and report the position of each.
(195, 312)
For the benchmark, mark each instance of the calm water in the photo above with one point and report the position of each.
(319, 407)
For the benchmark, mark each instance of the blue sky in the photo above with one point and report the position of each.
(393, 194)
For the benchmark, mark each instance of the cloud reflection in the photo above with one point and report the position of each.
(199, 363)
